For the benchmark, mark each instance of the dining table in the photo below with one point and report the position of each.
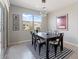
(48, 37)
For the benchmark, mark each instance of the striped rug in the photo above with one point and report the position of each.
(60, 55)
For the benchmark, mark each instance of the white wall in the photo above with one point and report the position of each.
(18, 36)
(72, 34)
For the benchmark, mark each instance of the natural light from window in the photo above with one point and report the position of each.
(31, 22)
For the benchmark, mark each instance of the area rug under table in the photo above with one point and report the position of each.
(65, 54)
(60, 55)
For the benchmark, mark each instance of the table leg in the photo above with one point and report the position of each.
(47, 51)
(62, 44)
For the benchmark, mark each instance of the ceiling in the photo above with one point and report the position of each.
(51, 5)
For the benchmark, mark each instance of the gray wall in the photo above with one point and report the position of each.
(71, 35)
(20, 36)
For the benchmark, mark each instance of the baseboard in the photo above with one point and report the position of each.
(71, 43)
(19, 42)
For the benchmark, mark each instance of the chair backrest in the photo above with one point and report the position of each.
(36, 31)
(33, 35)
(60, 37)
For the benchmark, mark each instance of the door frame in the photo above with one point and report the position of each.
(4, 29)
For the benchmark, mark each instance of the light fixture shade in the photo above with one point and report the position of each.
(43, 12)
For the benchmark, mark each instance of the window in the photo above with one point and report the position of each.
(37, 22)
(31, 22)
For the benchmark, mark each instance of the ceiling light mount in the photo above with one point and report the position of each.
(43, 1)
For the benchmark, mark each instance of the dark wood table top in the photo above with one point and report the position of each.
(47, 35)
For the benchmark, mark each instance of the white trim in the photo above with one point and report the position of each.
(1, 1)
(71, 43)
(19, 42)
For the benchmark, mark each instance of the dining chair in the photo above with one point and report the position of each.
(56, 42)
(33, 39)
(40, 43)
(33, 36)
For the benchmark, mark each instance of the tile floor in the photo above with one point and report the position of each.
(21, 51)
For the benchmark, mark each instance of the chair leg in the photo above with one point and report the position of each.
(32, 41)
(52, 46)
(35, 45)
(55, 48)
(61, 49)
(40, 48)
